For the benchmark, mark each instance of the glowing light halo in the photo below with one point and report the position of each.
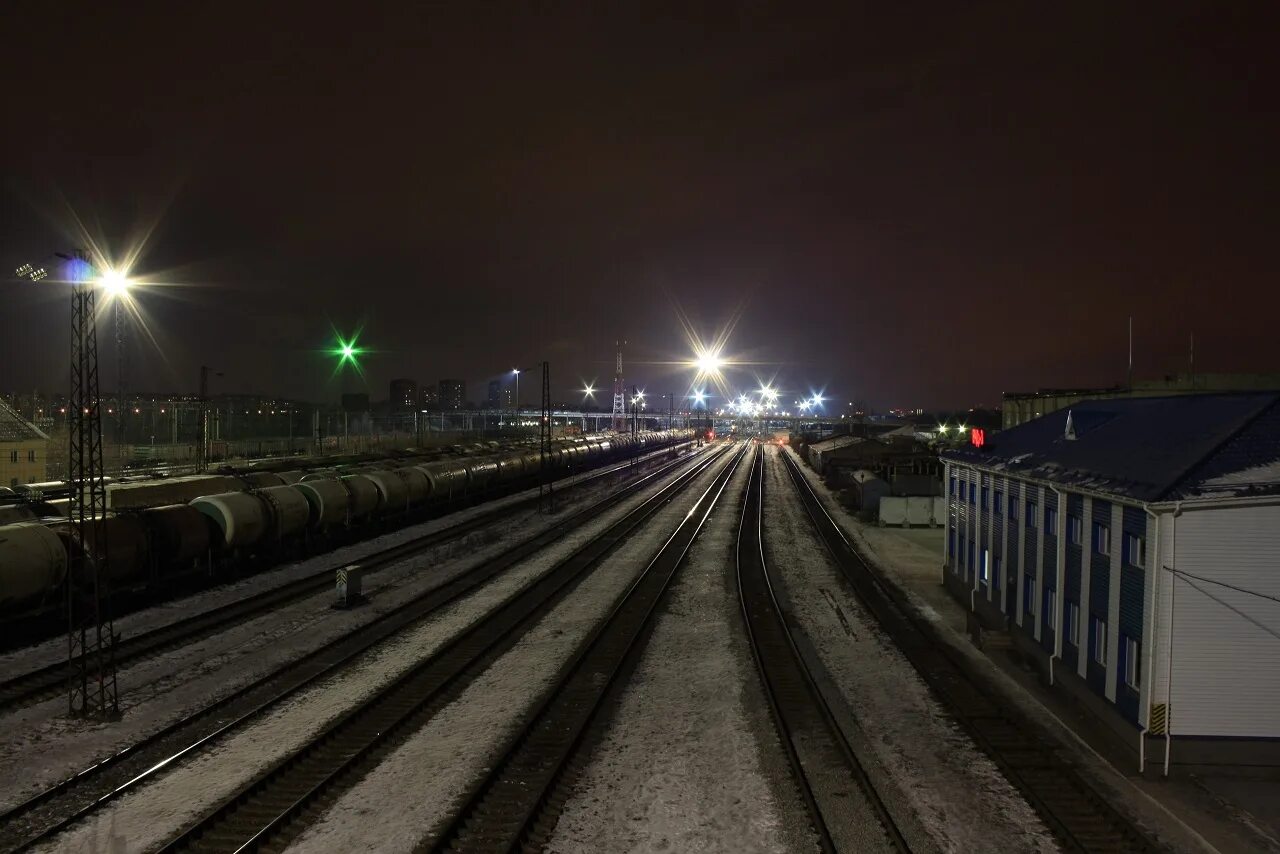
(348, 352)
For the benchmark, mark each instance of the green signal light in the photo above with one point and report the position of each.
(347, 353)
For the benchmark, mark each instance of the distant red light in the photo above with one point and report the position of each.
(977, 437)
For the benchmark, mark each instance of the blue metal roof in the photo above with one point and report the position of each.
(1146, 449)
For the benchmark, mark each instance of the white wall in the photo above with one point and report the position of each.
(1221, 671)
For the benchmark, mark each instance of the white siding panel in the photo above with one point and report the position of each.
(1226, 642)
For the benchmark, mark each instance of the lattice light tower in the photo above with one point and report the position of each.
(546, 498)
(91, 690)
(619, 396)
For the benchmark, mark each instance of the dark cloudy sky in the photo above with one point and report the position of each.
(919, 208)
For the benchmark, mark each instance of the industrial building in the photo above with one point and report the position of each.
(840, 457)
(24, 449)
(1021, 407)
(1130, 546)
(404, 395)
(494, 398)
(453, 394)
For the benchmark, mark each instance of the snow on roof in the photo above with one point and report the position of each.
(15, 428)
(835, 442)
(1147, 449)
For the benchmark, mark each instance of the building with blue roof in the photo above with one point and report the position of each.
(1131, 547)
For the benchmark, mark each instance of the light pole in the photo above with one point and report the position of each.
(516, 402)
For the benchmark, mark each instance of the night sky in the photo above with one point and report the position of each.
(921, 209)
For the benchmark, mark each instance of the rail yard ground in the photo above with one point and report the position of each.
(684, 739)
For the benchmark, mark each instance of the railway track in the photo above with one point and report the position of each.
(518, 803)
(1082, 819)
(821, 758)
(267, 810)
(41, 817)
(47, 682)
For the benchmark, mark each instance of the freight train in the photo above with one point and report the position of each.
(161, 531)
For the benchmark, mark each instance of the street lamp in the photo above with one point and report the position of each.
(516, 371)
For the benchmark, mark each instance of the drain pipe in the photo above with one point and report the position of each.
(1059, 575)
(1173, 590)
(1154, 616)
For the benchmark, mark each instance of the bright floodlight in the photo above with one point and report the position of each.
(699, 397)
(115, 283)
(515, 371)
(589, 391)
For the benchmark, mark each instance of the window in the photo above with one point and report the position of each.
(1029, 594)
(1050, 520)
(953, 485)
(1073, 623)
(1101, 538)
(1013, 507)
(973, 493)
(1098, 639)
(1075, 529)
(13, 456)
(1032, 514)
(999, 505)
(31, 456)
(995, 580)
(1051, 608)
(986, 498)
(985, 569)
(1130, 661)
(1135, 550)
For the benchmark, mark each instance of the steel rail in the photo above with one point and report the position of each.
(516, 804)
(262, 811)
(800, 711)
(1081, 817)
(74, 798)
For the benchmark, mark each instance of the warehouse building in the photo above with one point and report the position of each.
(24, 449)
(1132, 549)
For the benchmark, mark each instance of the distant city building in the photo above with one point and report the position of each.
(508, 396)
(494, 399)
(1021, 407)
(404, 395)
(1129, 546)
(24, 449)
(430, 396)
(453, 394)
(356, 402)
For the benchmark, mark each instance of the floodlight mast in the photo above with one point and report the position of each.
(92, 688)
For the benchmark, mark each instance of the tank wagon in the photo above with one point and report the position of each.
(162, 530)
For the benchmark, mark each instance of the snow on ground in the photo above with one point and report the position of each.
(46, 747)
(147, 817)
(1156, 818)
(680, 768)
(955, 793)
(415, 789)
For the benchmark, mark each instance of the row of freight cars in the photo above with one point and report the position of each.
(161, 530)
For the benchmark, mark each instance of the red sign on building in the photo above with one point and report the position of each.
(977, 437)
